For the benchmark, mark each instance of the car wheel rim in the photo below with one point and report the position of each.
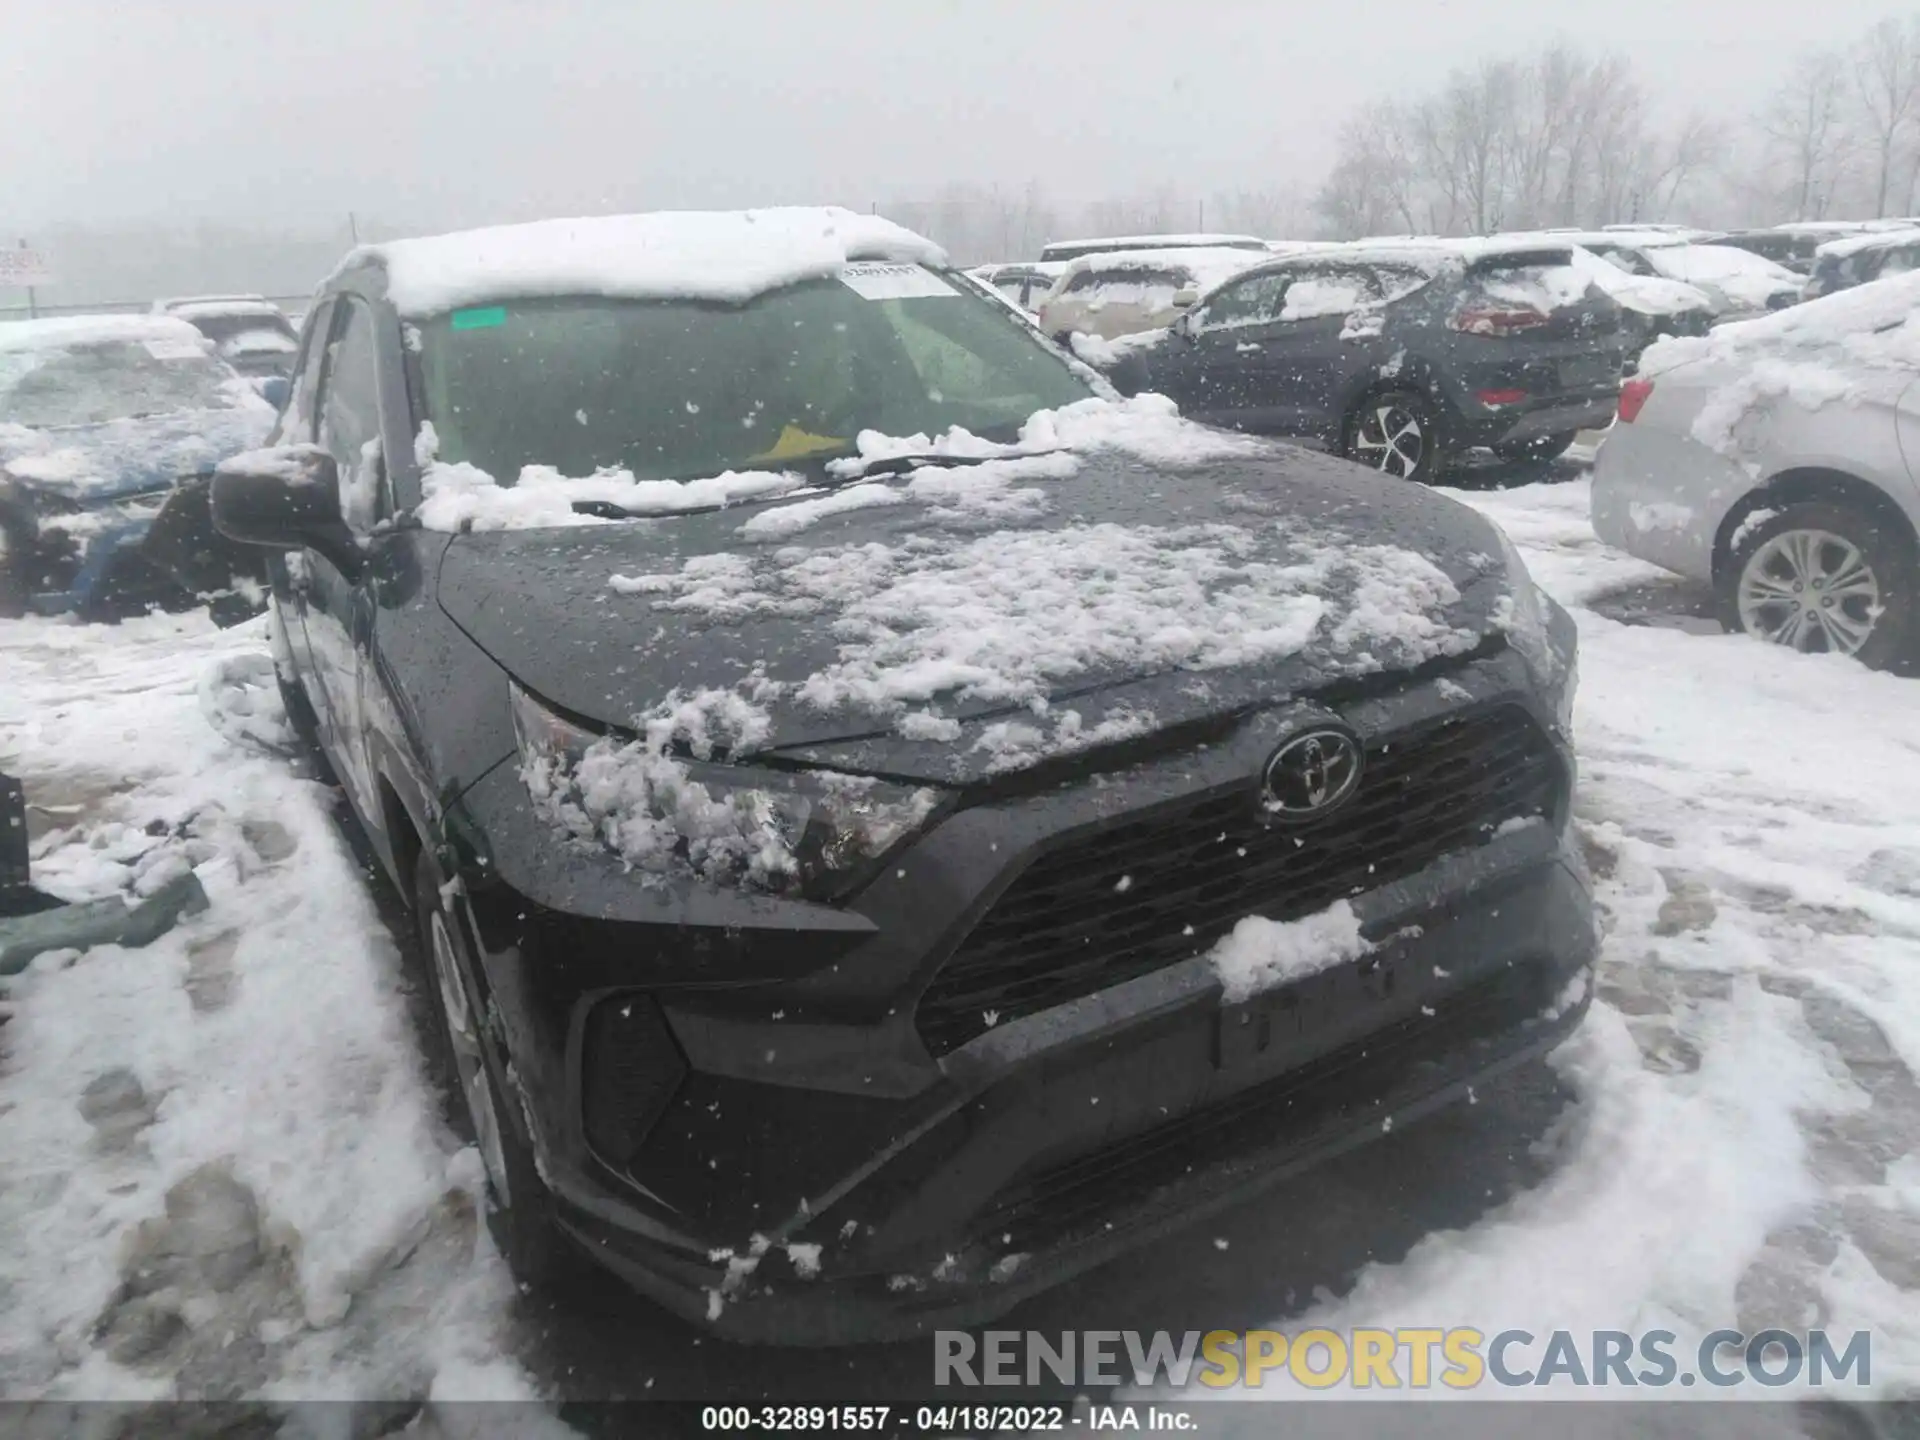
(1812, 590)
(1390, 439)
(475, 1086)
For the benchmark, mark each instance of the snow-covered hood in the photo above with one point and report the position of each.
(950, 642)
(93, 464)
(1871, 327)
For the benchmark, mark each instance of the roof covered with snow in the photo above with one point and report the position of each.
(211, 307)
(68, 330)
(728, 255)
(1868, 240)
(1101, 244)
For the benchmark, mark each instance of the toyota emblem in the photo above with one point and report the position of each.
(1311, 775)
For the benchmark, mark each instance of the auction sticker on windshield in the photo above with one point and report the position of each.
(878, 280)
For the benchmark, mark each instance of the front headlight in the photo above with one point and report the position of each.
(668, 813)
(1524, 614)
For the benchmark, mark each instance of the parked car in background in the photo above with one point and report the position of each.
(1126, 292)
(102, 419)
(1398, 356)
(1059, 250)
(1856, 259)
(1650, 305)
(1738, 282)
(1774, 459)
(788, 961)
(1025, 283)
(251, 333)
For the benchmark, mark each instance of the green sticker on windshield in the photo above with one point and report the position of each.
(480, 319)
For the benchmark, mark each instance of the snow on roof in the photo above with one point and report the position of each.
(173, 304)
(1838, 227)
(205, 309)
(1868, 240)
(1101, 244)
(686, 254)
(1207, 265)
(69, 330)
(1876, 325)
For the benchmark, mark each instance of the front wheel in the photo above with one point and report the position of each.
(1396, 432)
(463, 1058)
(1824, 578)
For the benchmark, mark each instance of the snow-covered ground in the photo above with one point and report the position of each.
(221, 1171)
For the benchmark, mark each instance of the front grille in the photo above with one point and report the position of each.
(1133, 897)
(1415, 1055)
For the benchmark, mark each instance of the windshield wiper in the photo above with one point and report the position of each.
(852, 471)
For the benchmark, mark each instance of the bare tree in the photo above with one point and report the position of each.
(1887, 90)
(1805, 123)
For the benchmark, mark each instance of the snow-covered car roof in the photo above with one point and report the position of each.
(1646, 294)
(1838, 227)
(172, 305)
(1208, 266)
(1435, 250)
(1868, 240)
(1876, 325)
(66, 331)
(1055, 250)
(727, 255)
(211, 309)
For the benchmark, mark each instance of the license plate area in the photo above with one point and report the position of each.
(1302, 1018)
(1588, 372)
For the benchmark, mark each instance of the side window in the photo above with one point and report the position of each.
(1397, 282)
(296, 421)
(1253, 301)
(350, 414)
(1332, 290)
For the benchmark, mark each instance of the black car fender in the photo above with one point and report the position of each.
(1400, 371)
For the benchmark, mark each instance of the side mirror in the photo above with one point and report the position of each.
(1185, 299)
(285, 498)
(274, 391)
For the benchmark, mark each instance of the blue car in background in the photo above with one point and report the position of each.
(109, 428)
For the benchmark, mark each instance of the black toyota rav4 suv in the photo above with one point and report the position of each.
(863, 881)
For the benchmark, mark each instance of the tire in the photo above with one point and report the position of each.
(1377, 435)
(1541, 447)
(1799, 552)
(463, 1061)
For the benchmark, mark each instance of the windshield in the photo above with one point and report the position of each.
(679, 389)
(112, 380)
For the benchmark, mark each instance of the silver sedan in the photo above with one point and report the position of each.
(1776, 461)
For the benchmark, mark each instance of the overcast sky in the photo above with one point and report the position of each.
(294, 111)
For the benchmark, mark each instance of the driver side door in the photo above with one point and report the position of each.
(1203, 364)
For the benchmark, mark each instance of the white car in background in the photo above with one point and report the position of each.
(1059, 251)
(1775, 460)
(1738, 282)
(1128, 292)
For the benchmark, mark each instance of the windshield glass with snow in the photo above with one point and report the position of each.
(676, 389)
(111, 380)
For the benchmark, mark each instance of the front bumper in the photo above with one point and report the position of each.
(819, 1176)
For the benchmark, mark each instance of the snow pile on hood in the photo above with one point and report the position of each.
(1748, 281)
(1823, 352)
(1645, 294)
(1009, 616)
(1876, 325)
(64, 332)
(125, 456)
(644, 801)
(728, 255)
(465, 497)
(1148, 428)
